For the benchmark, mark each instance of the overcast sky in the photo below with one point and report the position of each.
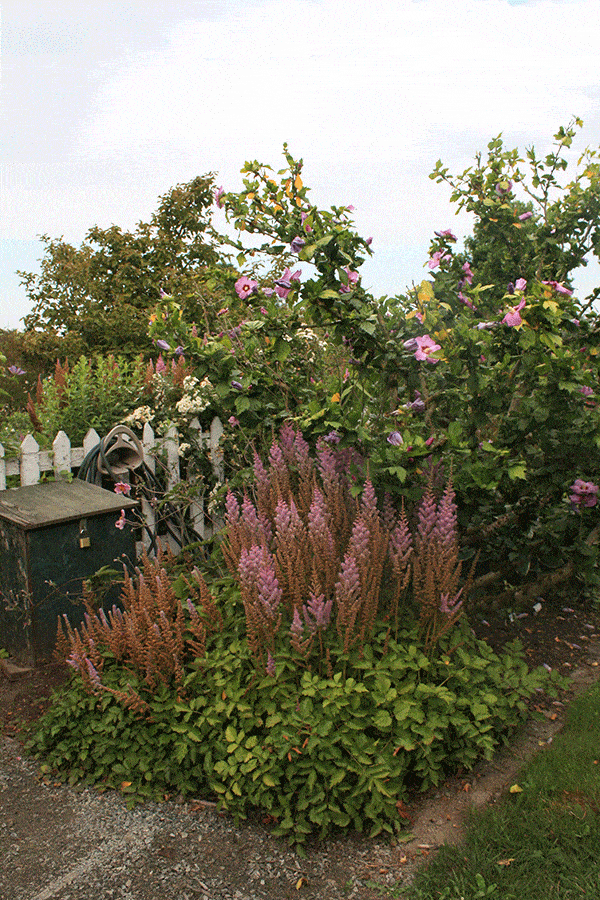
(107, 105)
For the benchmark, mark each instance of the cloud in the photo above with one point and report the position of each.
(369, 92)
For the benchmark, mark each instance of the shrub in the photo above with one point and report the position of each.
(305, 684)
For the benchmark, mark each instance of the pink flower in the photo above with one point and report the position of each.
(395, 439)
(584, 493)
(120, 523)
(446, 234)
(160, 365)
(219, 197)
(284, 284)
(303, 218)
(233, 421)
(245, 286)
(586, 390)
(122, 488)
(503, 187)
(524, 216)
(430, 441)
(558, 287)
(465, 300)
(438, 258)
(468, 273)
(352, 279)
(520, 284)
(425, 346)
(512, 317)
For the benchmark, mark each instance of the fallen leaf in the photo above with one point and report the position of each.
(515, 789)
(299, 883)
(506, 862)
(403, 811)
(125, 784)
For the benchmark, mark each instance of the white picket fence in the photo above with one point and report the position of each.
(62, 459)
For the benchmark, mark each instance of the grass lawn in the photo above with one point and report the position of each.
(542, 842)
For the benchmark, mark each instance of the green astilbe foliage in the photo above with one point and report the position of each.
(325, 569)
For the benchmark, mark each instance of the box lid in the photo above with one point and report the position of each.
(58, 501)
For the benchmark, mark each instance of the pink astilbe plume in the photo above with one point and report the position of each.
(261, 596)
(347, 599)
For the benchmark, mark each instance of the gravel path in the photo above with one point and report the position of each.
(57, 843)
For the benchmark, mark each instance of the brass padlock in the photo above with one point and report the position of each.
(84, 538)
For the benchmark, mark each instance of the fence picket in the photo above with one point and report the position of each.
(61, 447)
(31, 462)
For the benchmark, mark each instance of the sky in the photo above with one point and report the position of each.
(107, 105)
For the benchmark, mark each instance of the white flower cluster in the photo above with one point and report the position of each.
(139, 417)
(308, 334)
(196, 398)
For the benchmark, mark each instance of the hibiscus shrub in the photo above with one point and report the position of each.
(492, 380)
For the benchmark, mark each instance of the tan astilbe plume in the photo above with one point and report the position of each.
(150, 635)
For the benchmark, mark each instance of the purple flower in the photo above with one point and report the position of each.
(524, 216)
(520, 284)
(237, 385)
(395, 439)
(426, 346)
(245, 286)
(160, 366)
(270, 665)
(284, 284)
(446, 234)
(512, 317)
(233, 421)
(162, 345)
(410, 344)
(465, 300)
(332, 438)
(438, 258)
(417, 405)
(486, 326)
(219, 197)
(586, 390)
(583, 493)
(369, 241)
(468, 273)
(16, 370)
(297, 244)
(179, 351)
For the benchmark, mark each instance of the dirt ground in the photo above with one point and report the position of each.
(62, 844)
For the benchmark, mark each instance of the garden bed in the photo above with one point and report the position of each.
(186, 849)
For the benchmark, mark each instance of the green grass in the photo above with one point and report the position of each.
(541, 843)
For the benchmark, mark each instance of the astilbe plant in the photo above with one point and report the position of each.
(323, 569)
(153, 633)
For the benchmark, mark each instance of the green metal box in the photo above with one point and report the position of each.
(52, 537)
